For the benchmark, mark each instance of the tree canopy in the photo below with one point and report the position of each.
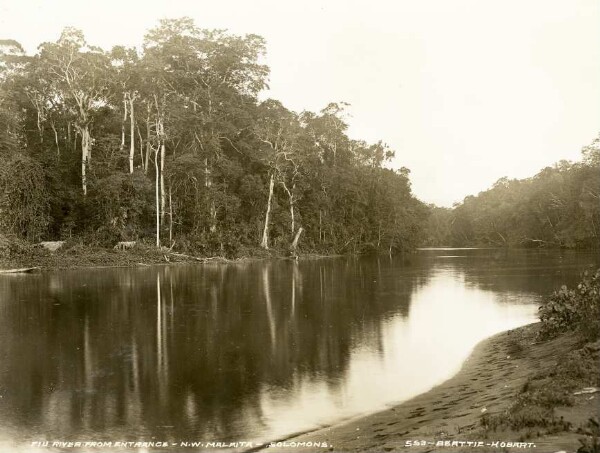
(558, 207)
(171, 144)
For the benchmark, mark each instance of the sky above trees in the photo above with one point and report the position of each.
(465, 91)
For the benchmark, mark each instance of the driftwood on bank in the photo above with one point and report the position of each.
(124, 245)
(52, 246)
(22, 270)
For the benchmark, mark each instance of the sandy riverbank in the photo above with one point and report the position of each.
(488, 383)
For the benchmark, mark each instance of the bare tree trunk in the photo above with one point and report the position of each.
(123, 122)
(265, 237)
(163, 195)
(40, 120)
(213, 217)
(170, 217)
(295, 241)
(146, 162)
(290, 195)
(85, 155)
(320, 227)
(141, 148)
(156, 191)
(160, 134)
(213, 208)
(207, 181)
(56, 139)
(132, 133)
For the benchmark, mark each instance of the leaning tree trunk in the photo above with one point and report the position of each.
(295, 241)
(265, 237)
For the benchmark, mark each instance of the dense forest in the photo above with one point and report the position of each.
(558, 207)
(170, 145)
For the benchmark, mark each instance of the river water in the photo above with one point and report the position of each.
(251, 351)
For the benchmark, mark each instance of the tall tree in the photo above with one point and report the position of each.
(80, 75)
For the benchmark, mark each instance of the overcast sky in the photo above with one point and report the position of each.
(465, 91)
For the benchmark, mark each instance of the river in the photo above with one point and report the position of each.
(250, 351)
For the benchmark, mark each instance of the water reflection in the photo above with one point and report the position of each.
(253, 350)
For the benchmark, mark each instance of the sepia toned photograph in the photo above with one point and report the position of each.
(300, 226)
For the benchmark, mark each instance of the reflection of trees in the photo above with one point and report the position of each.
(182, 350)
(516, 270)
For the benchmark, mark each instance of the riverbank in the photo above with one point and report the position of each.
(87, 256)
(18, 254)
(495, 397)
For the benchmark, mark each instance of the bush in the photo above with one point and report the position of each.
(24, 207)
(120, 207)
(13, 247)
(573, 309)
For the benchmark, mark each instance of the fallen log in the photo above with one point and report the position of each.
(183, 255)
(587, 390)
(22, 270)
(202, 260)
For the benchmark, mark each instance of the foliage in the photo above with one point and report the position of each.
(573, 309)
(24, 200)
(119, 204)
(171, 144)
(558, 207)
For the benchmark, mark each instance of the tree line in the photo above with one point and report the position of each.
(558, 207)
(171, 144)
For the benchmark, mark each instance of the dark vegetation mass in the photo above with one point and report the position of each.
(557, 208)
(171, 145)
(575, 309)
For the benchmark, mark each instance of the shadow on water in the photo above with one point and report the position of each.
(252, 350)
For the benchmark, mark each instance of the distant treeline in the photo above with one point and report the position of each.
(171, 145)
(558, 207)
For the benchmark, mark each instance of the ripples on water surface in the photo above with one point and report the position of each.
(250, 351)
